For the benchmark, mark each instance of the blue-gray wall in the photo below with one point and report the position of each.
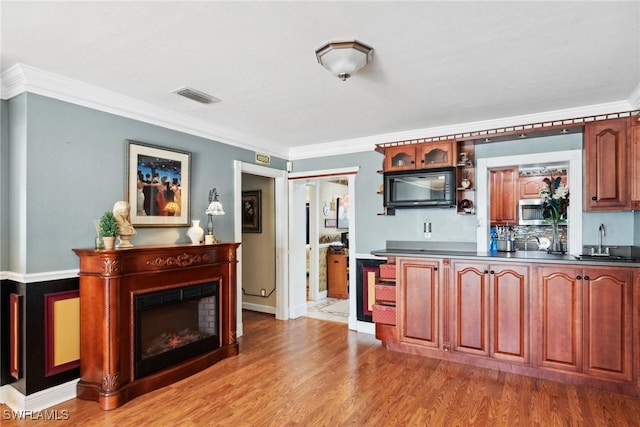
(374, 230)
(4, 183)
(67, 166)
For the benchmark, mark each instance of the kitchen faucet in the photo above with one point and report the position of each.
(601, 233)
(527, 241)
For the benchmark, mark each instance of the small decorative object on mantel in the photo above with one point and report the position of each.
(108, 229)
(195, 232)
(555, 201)
(121, 211)
(214, 208)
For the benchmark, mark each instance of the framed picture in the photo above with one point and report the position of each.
(330, 223)
(158, 183)
(252, 211)
(343, 207)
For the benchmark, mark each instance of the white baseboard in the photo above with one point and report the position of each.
(298, 311)
(258, 307)
(322, 294)
(40, 400)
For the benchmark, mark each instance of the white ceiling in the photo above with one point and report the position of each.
(435, 63)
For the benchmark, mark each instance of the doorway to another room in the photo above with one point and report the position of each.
(327, 249)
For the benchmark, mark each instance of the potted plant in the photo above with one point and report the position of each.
(108, 229)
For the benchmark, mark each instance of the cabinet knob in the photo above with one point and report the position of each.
(594, 198)
(578, 277)
(412, 162)
(493, 272)
(486, 271)
(586, 278)
(435, 268)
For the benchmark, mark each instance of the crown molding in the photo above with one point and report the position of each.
(24, 78)
(368, 143)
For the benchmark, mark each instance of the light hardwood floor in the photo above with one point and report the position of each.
(308, 372)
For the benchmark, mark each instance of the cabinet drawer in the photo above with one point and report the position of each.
(384, 314)
(387, 271)
(385, 293)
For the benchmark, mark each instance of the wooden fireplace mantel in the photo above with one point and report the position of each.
(109, 280)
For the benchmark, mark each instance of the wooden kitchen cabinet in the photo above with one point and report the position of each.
(420, 156)
(337, 285)
(503, 195)
(418, 287)
(399, 158)
(634, 141)
(491, 310)
(436, 155)
(584, 318)
(530, 185)
(605, 164)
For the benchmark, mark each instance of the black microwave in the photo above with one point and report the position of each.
(420, 188)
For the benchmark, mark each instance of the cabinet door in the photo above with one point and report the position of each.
(557, 316)
(419, 292)
(471, 310)
(503, 193)
(605, 166)
(607, 296)
(436, 154)
(337, 276)
(509, 309)
(634, 135)
(400, 158)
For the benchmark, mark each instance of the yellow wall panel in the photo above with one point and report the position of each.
(66, 331)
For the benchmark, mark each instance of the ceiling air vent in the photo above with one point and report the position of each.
(196, 95)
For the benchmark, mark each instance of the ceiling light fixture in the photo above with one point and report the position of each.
(344, 58)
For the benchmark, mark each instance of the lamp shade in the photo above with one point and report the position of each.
(215, 208)
(344, 58)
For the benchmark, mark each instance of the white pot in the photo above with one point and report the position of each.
(195, 232)
(109, 242)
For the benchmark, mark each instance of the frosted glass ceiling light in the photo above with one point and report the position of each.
(344, 58)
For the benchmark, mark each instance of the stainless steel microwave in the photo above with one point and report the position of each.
(530, 212)
(420, 188)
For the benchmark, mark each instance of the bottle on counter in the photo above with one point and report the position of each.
(493, 245)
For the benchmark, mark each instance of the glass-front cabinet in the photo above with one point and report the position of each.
(437, 154)
(400, 158)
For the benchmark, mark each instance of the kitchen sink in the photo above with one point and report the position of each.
(606, 258)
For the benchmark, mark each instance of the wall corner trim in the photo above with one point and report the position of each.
(40, 400)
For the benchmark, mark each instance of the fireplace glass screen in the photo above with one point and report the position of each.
(175, 325)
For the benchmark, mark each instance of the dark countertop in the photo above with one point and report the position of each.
(518, 256)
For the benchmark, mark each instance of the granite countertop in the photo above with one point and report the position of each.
(465, 252)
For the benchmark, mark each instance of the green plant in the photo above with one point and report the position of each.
(108, 225)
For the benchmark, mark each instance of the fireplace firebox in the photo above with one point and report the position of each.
(174, 325)
(153, 315)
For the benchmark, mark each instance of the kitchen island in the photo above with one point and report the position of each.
(558, 317)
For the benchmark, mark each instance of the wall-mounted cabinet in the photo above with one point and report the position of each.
(634, 139)
(503, 195)
(605, 166)
(420, 156)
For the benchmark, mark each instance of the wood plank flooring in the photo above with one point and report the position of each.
(307, 372)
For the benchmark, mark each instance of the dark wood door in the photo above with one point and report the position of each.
(419, 292)
(509, 309)
(503, 195)
(607, 299)
(606, 165)
(471, 308)
(557, 316)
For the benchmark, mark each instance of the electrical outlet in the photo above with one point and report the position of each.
(426, 229)
(263, 292)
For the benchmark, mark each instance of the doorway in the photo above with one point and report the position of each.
(279, 246)
(324, 192)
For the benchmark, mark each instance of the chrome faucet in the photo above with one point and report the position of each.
(601, 234)
(527, 240)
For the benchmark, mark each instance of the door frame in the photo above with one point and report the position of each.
(281, 225)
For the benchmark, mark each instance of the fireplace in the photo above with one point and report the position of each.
(151, 316)
(174, 325)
